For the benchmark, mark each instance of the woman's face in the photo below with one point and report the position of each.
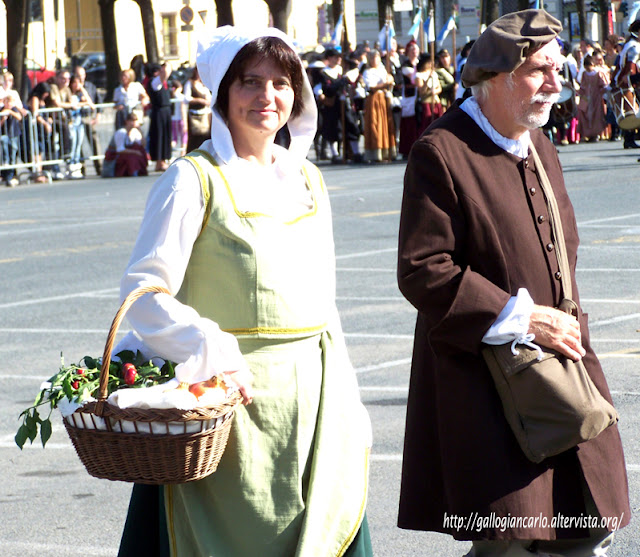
(261, 100)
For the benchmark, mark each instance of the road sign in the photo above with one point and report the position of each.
(186, 14)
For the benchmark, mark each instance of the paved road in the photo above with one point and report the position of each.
(63, 248)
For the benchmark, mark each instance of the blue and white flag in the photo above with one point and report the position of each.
(449, 26)
(633, 12)
(535, 5)
(336, 36)
(415, 28)
(430, 29)
(386, 33)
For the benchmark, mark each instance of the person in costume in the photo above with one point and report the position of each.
(477, 259)
(240, 233)
(409, 122)
(379, 130)
(160, 121)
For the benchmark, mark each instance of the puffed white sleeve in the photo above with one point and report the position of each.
(169, 329)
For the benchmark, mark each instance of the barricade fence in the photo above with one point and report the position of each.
(55, 143)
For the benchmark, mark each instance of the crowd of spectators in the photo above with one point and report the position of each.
(383, 100)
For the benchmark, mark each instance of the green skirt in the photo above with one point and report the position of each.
(145, 530)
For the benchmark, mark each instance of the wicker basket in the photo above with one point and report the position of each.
(148, 446)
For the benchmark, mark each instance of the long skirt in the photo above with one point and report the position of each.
(132, 164)
(160, 134)
(147, 514)
(279, 490)
(430, 113)
(379, 131)
(408, 134)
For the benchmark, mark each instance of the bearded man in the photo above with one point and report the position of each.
(477, 259)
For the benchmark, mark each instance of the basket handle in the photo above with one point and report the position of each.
(106, 357)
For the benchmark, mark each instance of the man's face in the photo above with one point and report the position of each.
(529, 93)
(80, 73)
(63, 79)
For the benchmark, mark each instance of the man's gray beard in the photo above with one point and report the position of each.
(533, 120)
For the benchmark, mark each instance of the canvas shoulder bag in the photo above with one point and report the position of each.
(549, 401)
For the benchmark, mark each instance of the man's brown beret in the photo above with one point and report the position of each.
(505, 44)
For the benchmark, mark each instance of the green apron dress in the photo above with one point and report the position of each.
(293, 479)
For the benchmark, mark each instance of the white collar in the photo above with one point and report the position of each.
(518, 147)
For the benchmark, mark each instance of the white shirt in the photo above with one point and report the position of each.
(129, 97)
(513, 321)
(122, 140)
(374, 77)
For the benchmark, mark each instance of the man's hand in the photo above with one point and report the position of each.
(557, 330)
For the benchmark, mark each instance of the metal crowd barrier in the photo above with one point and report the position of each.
(40, 146)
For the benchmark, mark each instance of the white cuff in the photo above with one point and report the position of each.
(513, 321)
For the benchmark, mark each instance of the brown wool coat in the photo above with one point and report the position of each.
(474, 229)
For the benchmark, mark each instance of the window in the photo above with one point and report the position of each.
(169, 35)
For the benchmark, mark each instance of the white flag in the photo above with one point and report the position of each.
(386, 31)
(449, 26)
(430, 29)
(415, 28)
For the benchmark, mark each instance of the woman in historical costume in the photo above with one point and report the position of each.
(198, 98)
(429, 89)
(409, 123)
(160, 122)
(591, 122)
(240, 232)
(379, 132)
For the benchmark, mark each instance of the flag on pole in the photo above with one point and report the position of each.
(336, 36)
(415, 28)
(633, 12)
(430, 29)
(449, 26)
(386, 31)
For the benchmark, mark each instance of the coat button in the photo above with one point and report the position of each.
(549, 247)
(541, 219)
(532, 191)
(558, 275)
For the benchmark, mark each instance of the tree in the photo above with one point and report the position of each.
(490, 11)
(225, 13)
(384, 6)
(109, 38)
(280, 10)
(149, 29)
(337, 9)
(17, 27)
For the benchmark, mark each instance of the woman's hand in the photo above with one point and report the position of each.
(244, 382)
(557, 330)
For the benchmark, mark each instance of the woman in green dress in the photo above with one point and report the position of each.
(239, 231)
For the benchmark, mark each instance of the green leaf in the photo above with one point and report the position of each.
(67, 388)
(90, 362)
(32, 427)
(45, 431)
(126, 356)
(21, 436)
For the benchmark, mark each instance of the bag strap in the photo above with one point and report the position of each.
(556, 224)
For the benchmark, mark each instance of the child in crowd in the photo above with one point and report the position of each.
(178, 118)
(11, 130)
